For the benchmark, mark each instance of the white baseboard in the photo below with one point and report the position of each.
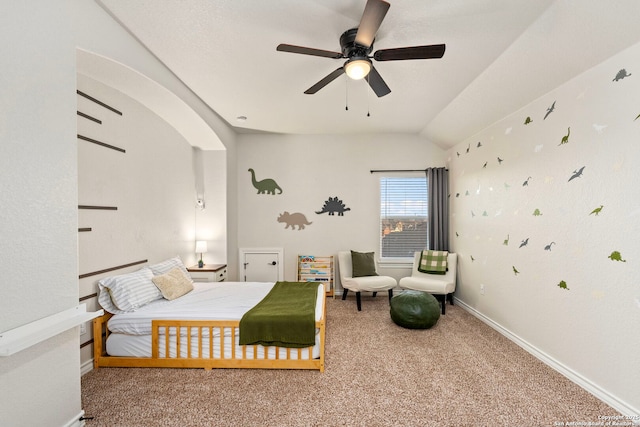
(600, 393)
(76, 421)
(86, 367)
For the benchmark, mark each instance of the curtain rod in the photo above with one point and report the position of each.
(397, 170)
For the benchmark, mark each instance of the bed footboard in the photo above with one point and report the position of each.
(207, 344)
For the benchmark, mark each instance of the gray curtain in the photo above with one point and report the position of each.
(438, 189)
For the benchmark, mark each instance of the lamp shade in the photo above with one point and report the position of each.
(201, 246)
(357, 68)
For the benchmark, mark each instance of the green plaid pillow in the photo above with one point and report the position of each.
(433, 262)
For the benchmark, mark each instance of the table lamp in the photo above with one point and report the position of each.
(201, 247)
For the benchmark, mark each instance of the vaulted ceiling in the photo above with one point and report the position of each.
(500, 55)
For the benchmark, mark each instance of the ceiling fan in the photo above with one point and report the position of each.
(357, 44)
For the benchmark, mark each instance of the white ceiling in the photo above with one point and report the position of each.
(501, 55)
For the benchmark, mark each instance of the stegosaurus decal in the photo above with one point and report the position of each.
(333, 205)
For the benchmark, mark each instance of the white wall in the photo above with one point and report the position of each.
(153, 185)
(590, 328)
(310, 169)
(38, 206)
(39, 198)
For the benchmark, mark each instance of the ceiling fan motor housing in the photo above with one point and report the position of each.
(350, 48)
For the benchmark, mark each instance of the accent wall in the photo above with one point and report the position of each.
(545, 215)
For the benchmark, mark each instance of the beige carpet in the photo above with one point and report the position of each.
(459, 373)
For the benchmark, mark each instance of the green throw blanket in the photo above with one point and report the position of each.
(433, 262)
(285, 317)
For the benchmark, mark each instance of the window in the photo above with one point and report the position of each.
(403, 216)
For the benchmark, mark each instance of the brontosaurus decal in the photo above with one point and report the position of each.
(565, 139)
(293, 219)
(527, 120)
(266, 186)
(548, 247)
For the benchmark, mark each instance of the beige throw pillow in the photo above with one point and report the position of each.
(173, 284)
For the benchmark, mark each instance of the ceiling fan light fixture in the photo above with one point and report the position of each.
(357, 68)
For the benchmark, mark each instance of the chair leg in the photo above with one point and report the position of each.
(345, 291)
(374, 294)
(390, 294)
(451, 299)
(358, 301)
(444, 303)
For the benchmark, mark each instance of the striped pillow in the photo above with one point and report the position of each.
(166, 266)
(128, 292)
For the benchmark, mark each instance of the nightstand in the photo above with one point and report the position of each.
(208, 273)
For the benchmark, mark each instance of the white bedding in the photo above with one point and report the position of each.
(131, 332)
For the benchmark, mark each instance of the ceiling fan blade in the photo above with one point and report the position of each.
(322, 83)
(374, 13)
(377, 83)
(308, 51)
(415, 52)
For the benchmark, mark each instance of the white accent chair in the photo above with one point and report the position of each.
(362, 284)
(442, 286)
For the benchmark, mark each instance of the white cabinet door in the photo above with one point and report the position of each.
(261, 266)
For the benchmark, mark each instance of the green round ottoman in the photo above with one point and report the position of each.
(415, 310)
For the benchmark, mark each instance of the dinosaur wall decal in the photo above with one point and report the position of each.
(266, 186)
(597, 210)
(550, 110)
(333, 205)
(616, 256)
(565, 139)
(293, 219)
(621, 75)
(577, 173)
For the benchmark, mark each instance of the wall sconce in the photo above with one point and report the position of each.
(201, 247)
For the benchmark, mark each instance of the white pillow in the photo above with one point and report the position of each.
(128, 292)
(173, 284)
(165, 266)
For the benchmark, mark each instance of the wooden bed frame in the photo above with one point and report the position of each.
(237, 360)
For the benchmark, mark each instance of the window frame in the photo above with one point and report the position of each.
(397, 175)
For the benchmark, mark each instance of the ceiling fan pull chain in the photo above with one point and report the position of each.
(346, 95)
(368, 86)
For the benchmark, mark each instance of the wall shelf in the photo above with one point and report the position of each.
(25, 336)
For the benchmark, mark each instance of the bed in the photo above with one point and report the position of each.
(199, 329)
